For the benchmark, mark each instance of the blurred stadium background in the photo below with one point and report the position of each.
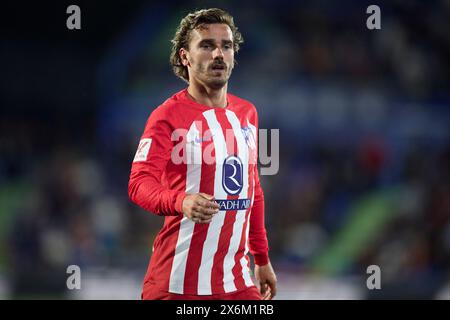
(364, 131)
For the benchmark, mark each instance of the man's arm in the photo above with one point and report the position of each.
(145, 188)
(267, 281)
(154, 151)
(258, 244)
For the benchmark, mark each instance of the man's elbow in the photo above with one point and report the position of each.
(132, 191)
(138, 198)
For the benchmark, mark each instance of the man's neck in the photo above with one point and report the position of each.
(207, 96)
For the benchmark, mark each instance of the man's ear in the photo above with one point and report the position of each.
(184, 57)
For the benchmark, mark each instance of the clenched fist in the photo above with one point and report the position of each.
(200, 207)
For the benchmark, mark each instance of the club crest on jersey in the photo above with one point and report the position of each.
(232, 175)
(249, 137)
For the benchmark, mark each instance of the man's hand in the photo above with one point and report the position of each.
(267, 281)
(200, 207)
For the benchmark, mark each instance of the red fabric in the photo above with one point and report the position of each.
(149, 186)
(152, 292)
(259, 249)
(159, 185)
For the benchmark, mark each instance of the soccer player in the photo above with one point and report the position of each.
(196, 164)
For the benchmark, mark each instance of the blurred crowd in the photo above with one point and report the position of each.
(364, 173)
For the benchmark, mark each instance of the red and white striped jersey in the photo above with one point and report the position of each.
(187, 147)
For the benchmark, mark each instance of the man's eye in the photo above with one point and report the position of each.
(206, 46)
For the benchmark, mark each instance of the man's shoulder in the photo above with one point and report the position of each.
(170, 105)
(241, 102)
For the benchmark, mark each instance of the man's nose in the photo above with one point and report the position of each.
(217, 53)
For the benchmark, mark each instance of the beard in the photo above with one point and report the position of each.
(214, 78)
(218, 82)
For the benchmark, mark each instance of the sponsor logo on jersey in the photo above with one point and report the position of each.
(232, 205)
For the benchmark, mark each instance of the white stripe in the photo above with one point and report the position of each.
(238, 225)
(246, 272)
(248, 224)
(193, 175)
(215, 226)
(244, 263)
(253, 128)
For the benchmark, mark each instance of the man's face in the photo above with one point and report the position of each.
(210, 58)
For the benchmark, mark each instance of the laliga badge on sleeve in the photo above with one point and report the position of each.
(142, 151)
